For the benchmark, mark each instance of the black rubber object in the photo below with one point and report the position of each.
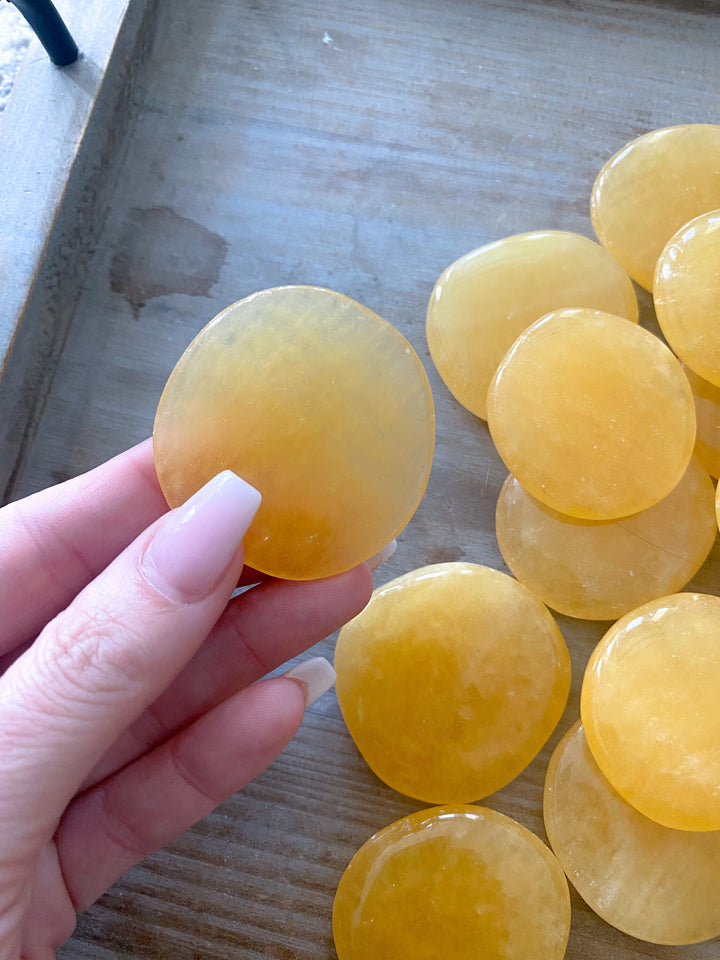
(50, 29)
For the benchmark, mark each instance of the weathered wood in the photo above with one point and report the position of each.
(59, 138)
(361, 146)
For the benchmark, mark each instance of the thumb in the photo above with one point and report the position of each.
(104, 659)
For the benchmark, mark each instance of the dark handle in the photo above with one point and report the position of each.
(50, 29)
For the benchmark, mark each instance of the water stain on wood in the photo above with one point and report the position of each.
(160, 253)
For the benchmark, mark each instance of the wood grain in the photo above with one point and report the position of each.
(364, 147)
(58, 135)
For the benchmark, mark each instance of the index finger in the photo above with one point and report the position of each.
(53, 543)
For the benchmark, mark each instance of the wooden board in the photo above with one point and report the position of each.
(364, 147)
(58, 134)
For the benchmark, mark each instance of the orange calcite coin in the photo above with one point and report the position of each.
(649, 881)
(451, 680)
(650, 188)
(600, 570)
(707, 413)
(593, 415)
(651, 710)
(687, 295)
(457, 882)
(317, 402)
(484, 301)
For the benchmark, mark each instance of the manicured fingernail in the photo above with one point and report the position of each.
(193, 548)
(315, 675)
(382, 555)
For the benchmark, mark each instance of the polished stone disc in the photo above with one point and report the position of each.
(601, 570)
(649, 881)
(317, 402)
(451, 680)
(452, 883)
(593, 415)
(484, 301)
(707, 411)
(650, 707)
(687, 295)
(650, 188)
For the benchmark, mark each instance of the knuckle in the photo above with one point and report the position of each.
(193, 780)
(91, 652)
(119, 828)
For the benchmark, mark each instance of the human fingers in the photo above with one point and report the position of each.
(258, 632)
(248, 577)
(54, 542)
(144, 806)
(99, 663)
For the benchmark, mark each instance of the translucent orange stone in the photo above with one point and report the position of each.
(601, 570)
(687, 295)
(484, 301)
(707, 413)
(317, 402)
(593, 415)
(650, 188)
(451, 680)
(651, 710)
(647, 880)
(457, 882)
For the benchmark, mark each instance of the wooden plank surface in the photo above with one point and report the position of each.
(57, 136)
(360, 146)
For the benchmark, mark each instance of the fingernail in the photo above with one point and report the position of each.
(193, 548)
(316, 677)
(382, 555)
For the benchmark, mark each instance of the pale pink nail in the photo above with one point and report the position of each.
(196, 542)
(382, 555)
(316, 676)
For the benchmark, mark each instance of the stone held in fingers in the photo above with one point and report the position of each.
(318, 403)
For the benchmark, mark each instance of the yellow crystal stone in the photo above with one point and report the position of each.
(687, 294)
(452, 883)
(650, 707)
(647, 880)
(707, 412)
(484, 301)
(451, 680)
(317, 402)
(650, 188)
(599, 570)
(592, 414)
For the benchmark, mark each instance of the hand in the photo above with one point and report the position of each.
(129, 706)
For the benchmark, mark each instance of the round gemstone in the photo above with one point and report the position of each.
(317, 402)
(592, 414)
(484, 301)
(462, 882)
(687, 295)
(650, 188)
(600, 570)
(707, 413)
(649, 881)
(451, 680)
(650, 710)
